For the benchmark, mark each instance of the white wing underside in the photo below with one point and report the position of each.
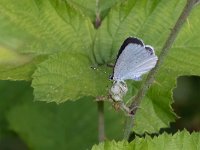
(133, 62)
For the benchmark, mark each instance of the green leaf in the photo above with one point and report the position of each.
(67, 76)
(183, 59)
(144, 19)
(90, 7)
(36, 27)
(46, 31)
(15, 66)
(181, 140)
(72, 125)
(12, 94)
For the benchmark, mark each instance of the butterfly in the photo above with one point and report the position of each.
(133, 60)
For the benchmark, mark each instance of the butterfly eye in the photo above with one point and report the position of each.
(111, 77)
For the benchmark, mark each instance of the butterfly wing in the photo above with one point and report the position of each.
(133, 61)
(141, 69)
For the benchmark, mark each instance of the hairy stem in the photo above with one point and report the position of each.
(128, 127)
(150, 78)
(101, 129)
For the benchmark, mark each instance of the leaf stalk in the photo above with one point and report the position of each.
(101, 128)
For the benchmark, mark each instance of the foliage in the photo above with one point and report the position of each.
(181, 140)
(49, 126)
(55, 45)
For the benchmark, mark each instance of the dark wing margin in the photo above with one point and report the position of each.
(129, 40)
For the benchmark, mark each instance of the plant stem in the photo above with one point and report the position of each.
(98, 19)
(150, 78)
(101, 130)
(128, 127)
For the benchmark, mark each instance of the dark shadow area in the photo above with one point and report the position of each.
(12, 94)
(12, 142)
(186, 104)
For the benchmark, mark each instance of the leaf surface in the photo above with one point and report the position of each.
(181, 140)
(67, 76)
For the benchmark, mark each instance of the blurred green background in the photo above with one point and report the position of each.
(24, 122)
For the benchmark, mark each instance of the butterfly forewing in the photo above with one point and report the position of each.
(134, 60)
